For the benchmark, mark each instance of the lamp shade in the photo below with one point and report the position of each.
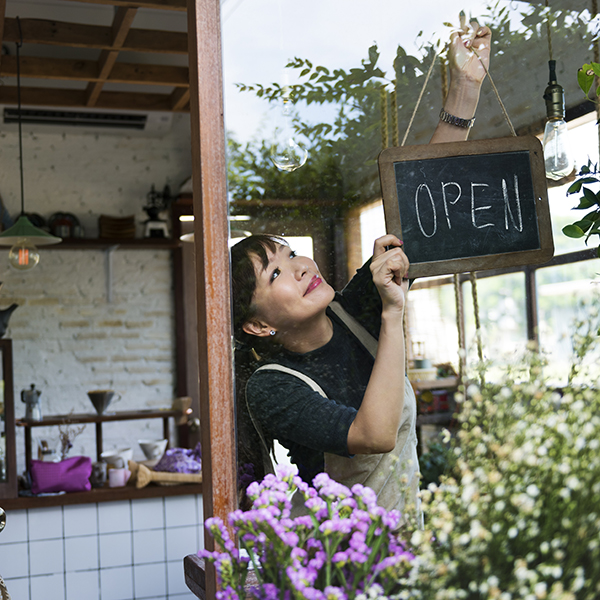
(24, 230)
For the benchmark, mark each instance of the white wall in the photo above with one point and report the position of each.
(67, 337)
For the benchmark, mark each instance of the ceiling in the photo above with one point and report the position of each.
(96, 54)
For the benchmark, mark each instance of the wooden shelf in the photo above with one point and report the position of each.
(105, 494)
(128, 415)
(123, 244)
(439, 418)
(445, 383)
(98, 420)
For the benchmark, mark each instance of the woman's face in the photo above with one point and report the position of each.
(289, 292)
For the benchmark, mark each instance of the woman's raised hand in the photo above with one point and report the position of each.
(470, 47)
(389, 267)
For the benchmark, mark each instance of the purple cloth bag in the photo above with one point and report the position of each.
(69, 475)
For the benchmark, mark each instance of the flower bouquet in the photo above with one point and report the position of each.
(344, 547)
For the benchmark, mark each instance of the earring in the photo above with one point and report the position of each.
(272, 332)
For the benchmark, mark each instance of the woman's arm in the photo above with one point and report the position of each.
(375, 427)
(469, 51)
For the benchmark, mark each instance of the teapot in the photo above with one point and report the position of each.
(31, 397)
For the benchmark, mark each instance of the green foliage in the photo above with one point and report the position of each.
(437, 461)
(590, 224)
(343, 150)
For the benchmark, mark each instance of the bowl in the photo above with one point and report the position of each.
(117, 457)
(153, 449)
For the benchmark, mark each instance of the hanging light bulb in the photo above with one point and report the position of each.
(23, 256)
(557, 157)
(23, 236)
(286, 153)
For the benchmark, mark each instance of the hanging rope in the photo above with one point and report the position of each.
(548, 30)
(444, 76)
(459, 321)
(394, 107)
(412, 118)
(384, 118)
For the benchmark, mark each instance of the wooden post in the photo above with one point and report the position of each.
(212, 265)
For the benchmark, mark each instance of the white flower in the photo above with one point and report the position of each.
(533, 490)
(512, 532)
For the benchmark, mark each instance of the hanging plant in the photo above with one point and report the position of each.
(589, 174)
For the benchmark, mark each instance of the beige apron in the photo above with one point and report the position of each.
(393, 476)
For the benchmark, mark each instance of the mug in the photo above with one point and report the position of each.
(118, 477)
(99, 474)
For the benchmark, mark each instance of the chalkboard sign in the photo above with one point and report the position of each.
(468, 206)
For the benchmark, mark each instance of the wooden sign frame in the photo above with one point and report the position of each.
(496, 147)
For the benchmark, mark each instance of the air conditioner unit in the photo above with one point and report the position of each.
(79, 120)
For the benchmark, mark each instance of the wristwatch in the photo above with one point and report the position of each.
(457, 121)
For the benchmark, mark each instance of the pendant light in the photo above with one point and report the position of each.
(23, 236)
(557, 156)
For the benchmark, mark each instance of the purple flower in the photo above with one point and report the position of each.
(334, 593)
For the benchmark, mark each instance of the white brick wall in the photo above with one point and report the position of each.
(67, 337)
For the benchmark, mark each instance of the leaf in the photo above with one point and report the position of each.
(575, 187)
(584, 224)
(573, 231)
(584, 203)
(304, 72)
(590, 196)
(584, 79)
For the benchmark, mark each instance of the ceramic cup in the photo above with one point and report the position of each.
(99, 474)
(118, 477)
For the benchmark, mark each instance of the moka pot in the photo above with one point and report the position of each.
(33, 405)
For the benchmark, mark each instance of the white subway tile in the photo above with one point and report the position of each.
(149, 546)
(46, 557)
(180, 510)
(16, 527)
(149, 581)
(18, 588)
(80, 519)
(48, 587)
(83, 585)
(45, 523)
(115, 550)
(116, 584)
(114, 516)
(81, 553)
(176, 578)
(181, 541)
(148, 513)
(14, 560)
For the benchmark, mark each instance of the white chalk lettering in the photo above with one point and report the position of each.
(425, 187)
(507, 209)
(444, 186)
(477, 208)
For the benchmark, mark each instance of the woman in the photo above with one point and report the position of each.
(321, 385)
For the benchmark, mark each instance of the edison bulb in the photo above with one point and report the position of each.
(23, 256)
(288, 155)
(556, 149)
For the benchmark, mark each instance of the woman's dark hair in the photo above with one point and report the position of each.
(243, 276)
(250, 459)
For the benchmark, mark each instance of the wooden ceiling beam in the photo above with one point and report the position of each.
(76, 35)
(179, 5)
(87, 70)
(76, 99)
(120, 28)
(180, 99)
